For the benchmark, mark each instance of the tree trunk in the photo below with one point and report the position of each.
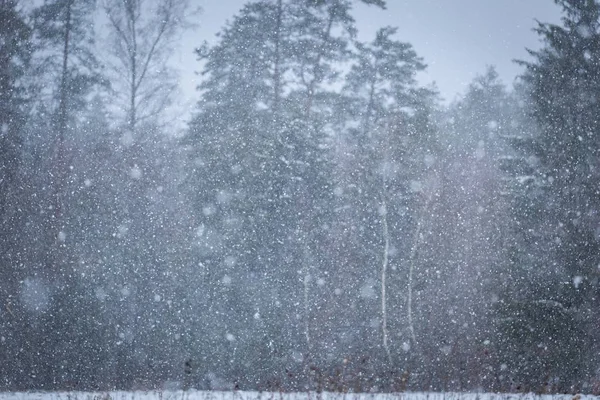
(62, 121)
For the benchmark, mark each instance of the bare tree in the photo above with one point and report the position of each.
(142, 36)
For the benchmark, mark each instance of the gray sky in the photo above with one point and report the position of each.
(456, 38)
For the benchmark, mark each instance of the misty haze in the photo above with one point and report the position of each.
(221, 200)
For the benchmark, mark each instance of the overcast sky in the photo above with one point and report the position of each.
(456, 38)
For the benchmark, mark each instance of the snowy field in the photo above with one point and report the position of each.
(214, 395)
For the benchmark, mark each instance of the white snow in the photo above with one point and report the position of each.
(209, 210)
(135, 172)
(297, 356)
(243, 395)
(226, 280)
(416, 186)
(236, 169)
(367, 291)
(122, 230)
(230, 261)
(492, 125)
(34, 295)
(224, 197)
(100, 293)
(429, 160)
(127, 139)
(525, 179)
(585, 31)
(480, 150)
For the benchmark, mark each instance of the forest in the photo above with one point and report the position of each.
(323, 222)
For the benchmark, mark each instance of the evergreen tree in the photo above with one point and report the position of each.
(550, 329)
(259, 145)
(64, 30)
(15, 55)
(384, 139)
(465, 243)
(65, 72)
(142, 34)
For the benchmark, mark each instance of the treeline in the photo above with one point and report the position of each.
(323, 223)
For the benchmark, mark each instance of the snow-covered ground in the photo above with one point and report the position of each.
(215, 395)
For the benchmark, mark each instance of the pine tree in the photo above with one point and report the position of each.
(379, 152)
(64, 30)
(550, 313)
(65, 71)
(259, 146)
(15, 54)
(468, 230)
